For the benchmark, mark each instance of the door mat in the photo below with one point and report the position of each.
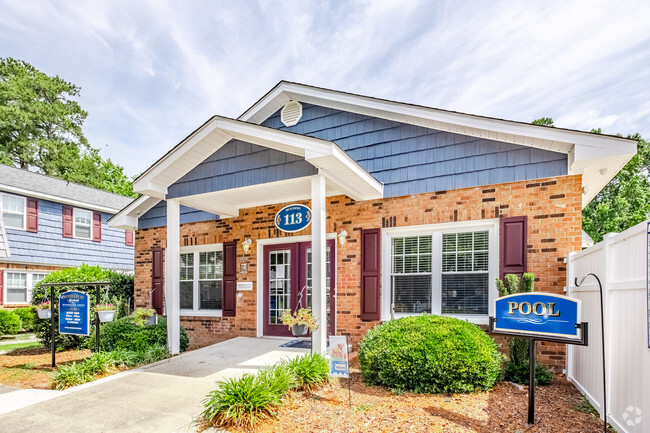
(298, 344)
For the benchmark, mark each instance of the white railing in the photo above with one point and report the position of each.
(620, 261)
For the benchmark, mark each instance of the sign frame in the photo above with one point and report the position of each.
(298, 209)
(67, 307)
(339, 357)
(580, 337)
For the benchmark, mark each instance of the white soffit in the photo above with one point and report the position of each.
(127, 218)
(588, 153)
(325, 155)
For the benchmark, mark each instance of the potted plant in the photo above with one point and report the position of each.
(145, 317)
(106, 312)
(299, 321)
(43, 310)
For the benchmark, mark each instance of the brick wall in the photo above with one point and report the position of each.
(553, 207)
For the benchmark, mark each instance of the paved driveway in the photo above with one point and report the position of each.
(162, 397)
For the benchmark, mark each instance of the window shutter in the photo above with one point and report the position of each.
(2, 288)
(67, 221)
(128, 235)
(97, 226)
(32, 215)
(229, 296)
(157, 273)
(370, 274)
(513, 245)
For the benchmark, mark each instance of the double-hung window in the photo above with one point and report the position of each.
(440, 269)
(83, 223)
(201, 280)
(13, 211)
(19, 286)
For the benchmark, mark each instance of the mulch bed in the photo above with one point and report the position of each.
(375, 409)
(32, 367)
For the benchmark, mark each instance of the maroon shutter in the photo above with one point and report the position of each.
(128, 236)
(32, 215)
(370, 274)
(97, 226)
(513, 246)
(67, 221)
(157, 273)
(2, 288)
(229, 296)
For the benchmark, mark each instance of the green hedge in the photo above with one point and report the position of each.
(124, 334)
(10, 322)
(28, 316)
(121, 287)
(430, 354)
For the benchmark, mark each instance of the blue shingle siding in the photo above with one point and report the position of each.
(157, 216)
(48, 246)
(238, 164)
(410, 159)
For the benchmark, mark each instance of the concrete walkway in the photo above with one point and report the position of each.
(162, 397)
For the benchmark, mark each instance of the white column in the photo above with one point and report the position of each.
(318, 251)
(172, 277)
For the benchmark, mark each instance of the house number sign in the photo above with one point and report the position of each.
(293, 218)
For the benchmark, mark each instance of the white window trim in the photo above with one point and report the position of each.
(74, 223)
(24, 199)
(29, 282)
(196, 312)
(436, 231)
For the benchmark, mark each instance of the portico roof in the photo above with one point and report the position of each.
(343, 174)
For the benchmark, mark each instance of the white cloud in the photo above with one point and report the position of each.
(153, 71)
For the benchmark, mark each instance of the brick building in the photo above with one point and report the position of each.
(413, 210)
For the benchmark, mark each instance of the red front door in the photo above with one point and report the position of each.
(287, 278)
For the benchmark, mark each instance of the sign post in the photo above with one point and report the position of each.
(539, 316)
(339, 360)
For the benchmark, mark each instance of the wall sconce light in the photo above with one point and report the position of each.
(342, 237)
(247, 244)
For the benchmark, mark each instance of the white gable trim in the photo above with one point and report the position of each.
(127, 218)
(212, 135)
(588, 153)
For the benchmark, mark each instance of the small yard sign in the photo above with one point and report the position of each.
(74, 313)
(293, 218)
(538, 315)
(339, 362)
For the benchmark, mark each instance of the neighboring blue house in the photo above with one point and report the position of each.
(47, 224)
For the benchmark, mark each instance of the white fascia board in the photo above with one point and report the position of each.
(57, 199)
(127, 218)
(417, 115)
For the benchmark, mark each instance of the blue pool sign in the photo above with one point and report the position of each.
(74, 313)
(293, 218)
(537, 314)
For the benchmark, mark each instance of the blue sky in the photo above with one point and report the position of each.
(153, 71)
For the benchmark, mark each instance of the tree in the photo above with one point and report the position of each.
(41, 129)
(625, 200)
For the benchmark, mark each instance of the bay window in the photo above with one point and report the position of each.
(440, 269)
(201, 280)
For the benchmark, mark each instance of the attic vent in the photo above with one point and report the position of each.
(291, 113)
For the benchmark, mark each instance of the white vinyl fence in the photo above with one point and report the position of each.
(620, 261)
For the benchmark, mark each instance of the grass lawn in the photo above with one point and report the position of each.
(13, 346)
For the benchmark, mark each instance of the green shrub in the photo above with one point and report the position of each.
(429, 354)
(28, 316)
(519, 373)
(10, 322)
(125, 334)
(70, 375)
(241, 402)
(310, 371)
(278, 379)
(121, 286)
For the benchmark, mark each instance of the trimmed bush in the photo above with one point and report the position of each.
(311, 371)
(125, 334)
(429, 354)
(28, 316)
(10, 322)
